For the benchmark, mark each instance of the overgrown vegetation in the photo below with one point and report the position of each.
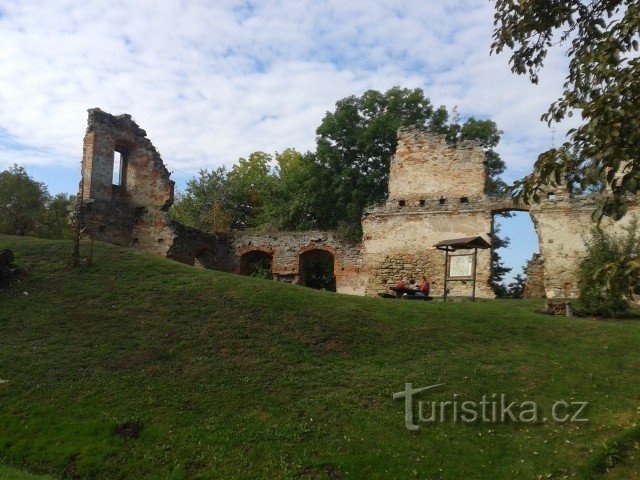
(604, 288)
(26, 208)
(229, 376)
(329, 188)
(601, 85)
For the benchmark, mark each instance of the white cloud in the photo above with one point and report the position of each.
(213, 81)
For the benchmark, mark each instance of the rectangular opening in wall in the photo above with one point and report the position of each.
(119, 167)
(464, 199)
(422, 203)
(401, 203)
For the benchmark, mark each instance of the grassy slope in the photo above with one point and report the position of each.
(235, 377)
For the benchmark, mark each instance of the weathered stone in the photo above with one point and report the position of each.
(436, 192)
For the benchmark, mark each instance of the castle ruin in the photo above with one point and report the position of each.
(436, 192)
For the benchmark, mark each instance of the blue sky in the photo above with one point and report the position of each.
(214, 81)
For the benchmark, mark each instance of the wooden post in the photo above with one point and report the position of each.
(475, 263)
(446, 271)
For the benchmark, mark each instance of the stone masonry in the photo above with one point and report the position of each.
(135, 212)
(436, 193)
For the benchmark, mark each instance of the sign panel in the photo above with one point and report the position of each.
(461, 266)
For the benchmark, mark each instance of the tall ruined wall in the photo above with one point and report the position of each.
(425, 166)
(133, 212)
(436, 192)
(563, 224)
(287, 248)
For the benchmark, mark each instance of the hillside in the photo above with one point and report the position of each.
(140, 367)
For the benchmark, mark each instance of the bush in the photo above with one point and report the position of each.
(603, 293)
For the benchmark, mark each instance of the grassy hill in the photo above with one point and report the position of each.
(140, 367)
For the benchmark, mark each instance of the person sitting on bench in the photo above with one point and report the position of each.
(423, 288)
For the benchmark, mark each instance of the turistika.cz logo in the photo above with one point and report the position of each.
(492, 408)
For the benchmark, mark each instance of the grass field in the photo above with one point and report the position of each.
(140, 367)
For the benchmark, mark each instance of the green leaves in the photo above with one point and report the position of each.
(602, 83)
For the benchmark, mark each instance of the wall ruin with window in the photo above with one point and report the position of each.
(436, 192)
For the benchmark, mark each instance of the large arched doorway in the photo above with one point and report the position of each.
(317, 270)
(515, 264)
(256, 263)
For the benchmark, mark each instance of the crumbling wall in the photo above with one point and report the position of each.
(399, 244)
(436, 192)
(425, 166)
(287, 247)
(563, 224)
(534, 288)
(134, 212)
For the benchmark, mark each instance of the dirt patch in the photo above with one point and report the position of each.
(328, 472)
(128, 430)
(139, 358)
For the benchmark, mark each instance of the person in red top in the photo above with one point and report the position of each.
(424, 287)
(402, 283)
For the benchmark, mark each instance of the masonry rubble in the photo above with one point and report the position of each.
(436, 192)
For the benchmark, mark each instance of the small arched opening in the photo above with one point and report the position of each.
(206, 259)
(257, 263)
(317, 269)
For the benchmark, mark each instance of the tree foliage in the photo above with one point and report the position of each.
(204, 204)
(356, 141)
(26, 208)
(330, 188)
(602, 86)
(609, 272)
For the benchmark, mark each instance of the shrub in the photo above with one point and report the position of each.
(604, 288)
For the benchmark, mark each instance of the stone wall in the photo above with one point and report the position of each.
(287, 248)
(400, 244)
(534, 289)
(436, 193)
(135, 212)
(425, 166)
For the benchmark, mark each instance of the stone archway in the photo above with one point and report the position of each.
(523, 249)
(317, 268)
(257, 263)
(206, 259)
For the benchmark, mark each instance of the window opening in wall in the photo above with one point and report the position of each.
(119, 167)
(443, 200)
(464, 199)
(401, 203)
(422, 203)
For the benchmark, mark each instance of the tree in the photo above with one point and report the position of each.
(248, 184)
(204, 204)
(293, 199)
(498, 268)
(601, 85)
(516, 288)
(22, 201)
(487, 134)
(355, 144)
(53, 222)
(608, 274)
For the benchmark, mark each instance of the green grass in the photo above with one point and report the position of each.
(7, 473)
(237, 377)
